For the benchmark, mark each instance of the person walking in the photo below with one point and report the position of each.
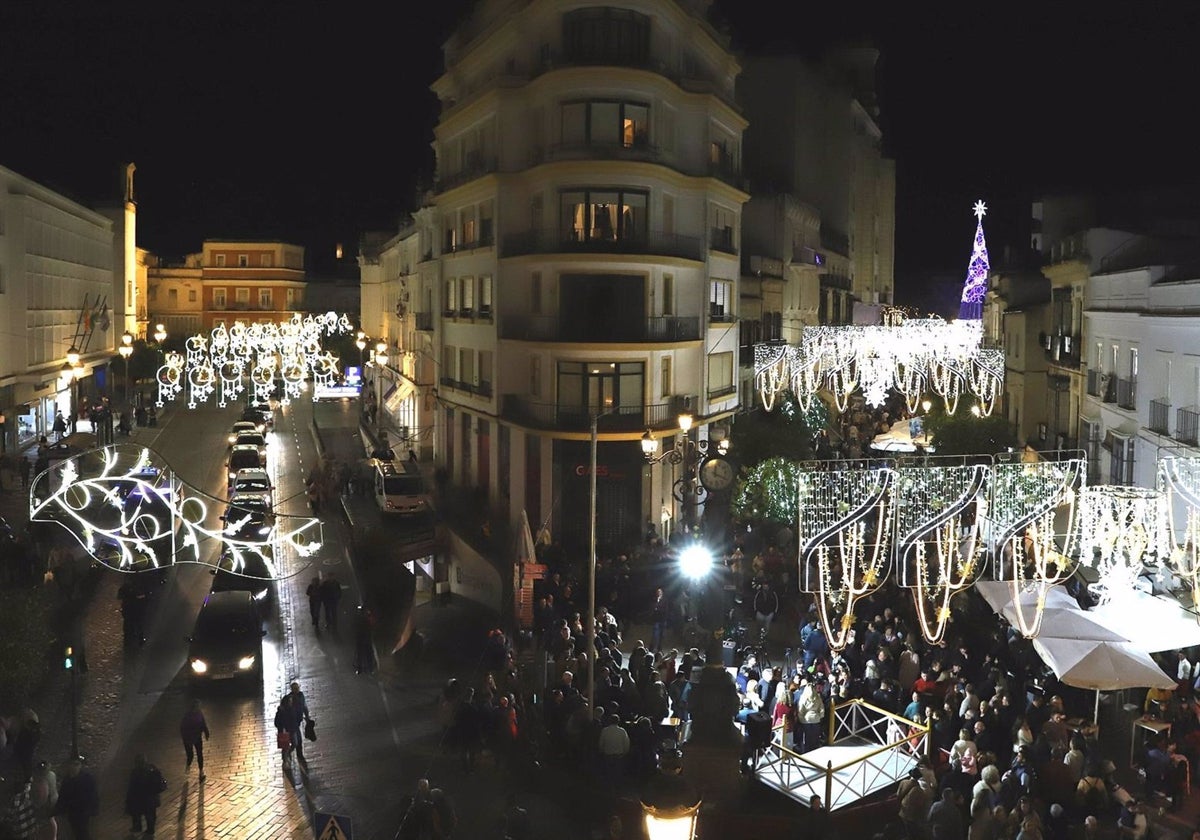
(193, 729)
(143, 795)
(660, 614)
(331, 594)
(314, 601)
(364, 650)
(60, 425)
(79, 799)
(290, 718)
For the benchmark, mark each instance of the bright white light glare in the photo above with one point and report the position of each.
(246, 663)
(199, 666)
(695, 561)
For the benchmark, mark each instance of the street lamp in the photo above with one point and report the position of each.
(381, 360)
(685, 451)
(362, 348)
(670, 803)
(126, 350)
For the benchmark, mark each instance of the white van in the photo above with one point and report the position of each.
(400, 488)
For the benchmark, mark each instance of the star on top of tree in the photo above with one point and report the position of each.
(980, 210)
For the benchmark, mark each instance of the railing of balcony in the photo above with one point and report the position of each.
(475, 166)
(640, 149)
(1108, 388)
(1093, 383)
(1063, 349)
(550, 328)
(1187, 424)
(424, 321)
(479, 389)
(566, 242)
(577, 418)
(1127, 393)
(721, 239)
(726, 169)
(1160, 414)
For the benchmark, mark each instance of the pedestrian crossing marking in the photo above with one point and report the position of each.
(333, 829)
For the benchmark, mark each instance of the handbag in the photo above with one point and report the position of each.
(283, 740)
(310, 730)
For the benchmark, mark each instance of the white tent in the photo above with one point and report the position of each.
(1152, 623)
(1102, 666)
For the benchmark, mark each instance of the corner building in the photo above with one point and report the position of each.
(587, 201)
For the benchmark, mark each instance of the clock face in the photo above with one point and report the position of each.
(716, 474)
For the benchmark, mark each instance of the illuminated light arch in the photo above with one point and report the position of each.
(126, 507)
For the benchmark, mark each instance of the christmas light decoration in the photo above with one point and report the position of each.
(975, 286)
(1178, 479)
(126, 507)
(218, 363)
(1121, 530)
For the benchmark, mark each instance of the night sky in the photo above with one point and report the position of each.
(312, 123)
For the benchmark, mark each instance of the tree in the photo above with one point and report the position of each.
(768, 492)
(964, 433)
(781, 433)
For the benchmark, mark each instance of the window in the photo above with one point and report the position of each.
(265, 299)
(720, 374)
(152, 293)
(668, 215)
(266, 260)
(450, 242)
(606, 123)
(468, 234)
(535, 376)
(665, 390)
(451, 293)
(219, 299)
(585, 387)
(720, 300)
(466, 365)
(172, 298)
(535, 293)
(668, 296)
(485, 371)
(603, 215)
(191, 295)
(466, 296)
(220, 260)
(291, 298)
(724, 222)
(449, 362)
(487, 223)
(242, 295)
(485, 295)
(605, 35)
(243, 260)
(1133, 363)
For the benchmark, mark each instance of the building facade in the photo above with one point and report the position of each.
(59, 289)
(579, 257)
(228, 281)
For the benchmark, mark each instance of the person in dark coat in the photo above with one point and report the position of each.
(364, 651)
(467, 730)
(143, 795)
(314, 601)
(78, 799)
(331, 594)
(192, 729)
(290, 718)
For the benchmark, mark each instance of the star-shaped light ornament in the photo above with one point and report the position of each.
(980, 209)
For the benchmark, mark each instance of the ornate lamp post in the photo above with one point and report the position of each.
(670, 803)
(361, 343)
(126, 350)
(381, 360)
(691, 454)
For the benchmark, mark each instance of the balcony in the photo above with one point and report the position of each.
(476, 166)
(725, 168)
(653, 243)
(1160, 413)
(1062, 349)
(1093, 383)
(577, 418)
(721, 239)
(1127, 394)
(424, 321)
(665, 328)
(479, 389)
(1108, 388)
(640, 150)
(452, 245)
(1187, 424)
(835, 240)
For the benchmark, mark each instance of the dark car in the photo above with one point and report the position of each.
(243, 457)
(248, 517)
(253, 574)
(257, 418)
(226, 643)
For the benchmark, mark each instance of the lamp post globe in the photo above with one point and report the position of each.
(126, 350)
(670, 803)
(160, 333)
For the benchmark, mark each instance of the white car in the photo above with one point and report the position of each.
(241, 427)
(252, 481)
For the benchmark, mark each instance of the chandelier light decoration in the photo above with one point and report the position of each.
(941, 507)
(846, 524)
(126, 507)
(220, 362)
(912, 356)
(1121, 530)
(1032, 529)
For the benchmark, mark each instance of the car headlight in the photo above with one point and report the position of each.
(245, 663)
(261, 594)
(199, 666)
(232, 439)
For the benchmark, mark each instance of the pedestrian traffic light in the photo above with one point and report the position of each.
(68, 658)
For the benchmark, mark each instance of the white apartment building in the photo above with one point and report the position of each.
(59, 287)
(579, 257)
(1143, 378)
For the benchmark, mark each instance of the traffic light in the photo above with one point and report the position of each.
(69, 658)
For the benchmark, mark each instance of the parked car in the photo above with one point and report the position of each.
(242, 426)
(254, 439)
(226, 642)
(256, 417)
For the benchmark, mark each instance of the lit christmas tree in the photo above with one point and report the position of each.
(975, 286)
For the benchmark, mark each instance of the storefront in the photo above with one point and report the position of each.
(33, 417)
(619, 466)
